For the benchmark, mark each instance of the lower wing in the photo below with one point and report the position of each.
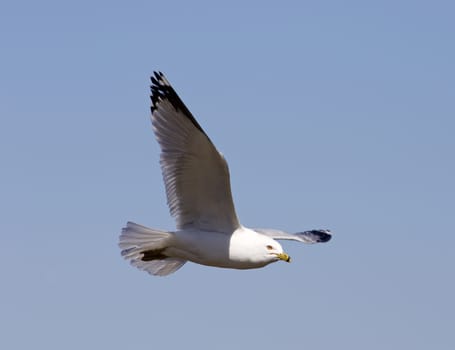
(312, 236)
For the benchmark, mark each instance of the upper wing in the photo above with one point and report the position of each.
(195, 174)
(312, 236)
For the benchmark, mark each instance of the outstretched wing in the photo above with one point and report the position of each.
(196, 175)
(312, 236)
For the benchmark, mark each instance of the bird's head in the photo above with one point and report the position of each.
(274, 251)
(256, 249)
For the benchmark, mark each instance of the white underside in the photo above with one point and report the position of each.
(243, 249)
(214, 249)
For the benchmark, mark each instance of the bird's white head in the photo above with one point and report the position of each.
(254, 249)
(274, 251)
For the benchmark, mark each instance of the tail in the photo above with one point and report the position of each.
(145, 248)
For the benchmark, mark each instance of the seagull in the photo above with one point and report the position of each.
(198, 190)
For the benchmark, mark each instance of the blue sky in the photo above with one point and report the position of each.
(331, 114)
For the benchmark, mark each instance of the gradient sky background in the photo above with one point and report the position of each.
(331, 114)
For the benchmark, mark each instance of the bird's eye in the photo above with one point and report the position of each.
(269, 247)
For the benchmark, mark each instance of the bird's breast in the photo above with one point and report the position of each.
(213, 249)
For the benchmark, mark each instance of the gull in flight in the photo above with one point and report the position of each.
(198, 190)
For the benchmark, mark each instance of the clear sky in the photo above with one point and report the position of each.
(331, 114)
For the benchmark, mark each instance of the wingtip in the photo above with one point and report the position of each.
(161, 90)
(315, 236)
(157, 74)
(157, 88)
(322, 235)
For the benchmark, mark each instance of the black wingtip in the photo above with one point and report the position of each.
(161, 90)
(158, 75)
(322, 235)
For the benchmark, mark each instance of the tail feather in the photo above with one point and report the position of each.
(137, 239)
(159, 267)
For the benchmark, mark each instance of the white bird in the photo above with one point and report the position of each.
(198, 190)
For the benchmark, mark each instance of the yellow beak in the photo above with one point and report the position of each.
(284, 257)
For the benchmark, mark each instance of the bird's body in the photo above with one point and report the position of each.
(196, 178)
(218, 249)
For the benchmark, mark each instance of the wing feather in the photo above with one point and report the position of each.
(196, 175)
(312, 236)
